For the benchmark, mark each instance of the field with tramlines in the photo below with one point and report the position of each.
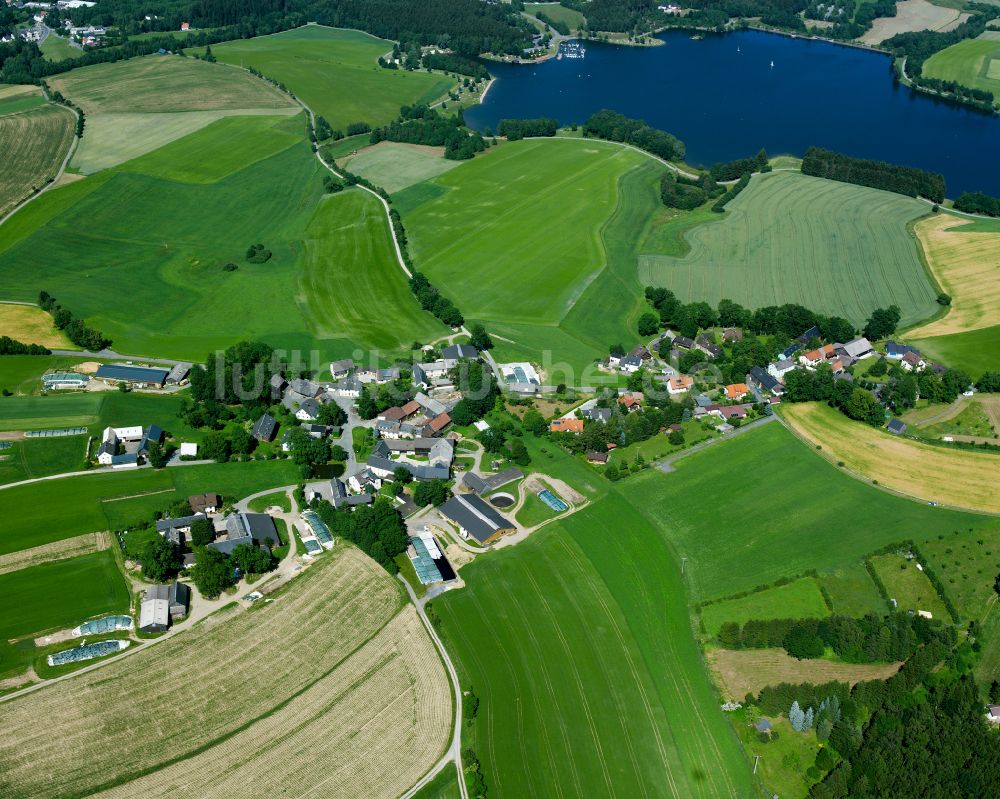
(35, 143)
(316, 691)
(833, 247)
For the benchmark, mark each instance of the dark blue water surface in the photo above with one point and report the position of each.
(721, 96)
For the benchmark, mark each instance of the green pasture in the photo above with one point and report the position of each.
(558, 13)
(764, 506)
(975, 351)
(537, 240)
(833, 247)
(279, 498)
(18, 103)
(578, 644)
(52, 510)
(54, 596)
(22, 374)
(335, 72)
(908, 585)
(445, 784)
(37, 457)
(35, 140)
(966, 562)
(57, 48)
(799, 599)
(534, 511)
(350, 284)
(161, 227)
(852, 591)
(659, 446)
(395, 166)
(972, 62)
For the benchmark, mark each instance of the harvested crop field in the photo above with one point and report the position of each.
(739, 672)
(954, 477)
(31, 325)
(330, 690)
(971, 62)
(35, 143)
(967, 265)
(914, 15)
(57, 550)
(395, 166)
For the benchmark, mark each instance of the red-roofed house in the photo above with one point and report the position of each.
(736, 391)
(567, 425)
(680, 384)
(629, 402)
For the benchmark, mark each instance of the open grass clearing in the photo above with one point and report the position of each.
(361, 688)
(161, 227)
(913, 15)
(852, 592)
(58, 48)
(967, 265)
(36, 141)
(908, 585)
(22, 374)
(395, 166)
(799, 599)
(743, 671)
(52, 510)
(972, 420)
(659, 446)
(533, 511)
(335, 72)
(972, 62)
(58, 550)
(31, 325)
(37, 457)
(557, 12)
(974, 351)
(923, 471)
(561, 217)
(834, 247)
(277, 498)
(53, 596)
(722, 509)
(443, 786)
(16, 103)
(578, 645)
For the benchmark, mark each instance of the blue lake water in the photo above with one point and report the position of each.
(721, 96)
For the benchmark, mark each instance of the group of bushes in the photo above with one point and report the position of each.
(516, 129)
(976, 202)
(432, 300)
(9, 346)
(613, 126)
(377, 529)
(874, 174)
(452, 62)
(423, 125)
(86, 337)
(867, 640)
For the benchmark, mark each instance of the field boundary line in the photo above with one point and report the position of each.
(646, 153)
(74, 143)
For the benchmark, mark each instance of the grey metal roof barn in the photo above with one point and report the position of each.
(476, 517)
(132, 374)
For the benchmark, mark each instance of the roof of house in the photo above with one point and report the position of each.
(911, 358)
(162, 525)
(565, 425)
(278, 381)
(460, 351)
(310, 407)
(178, 372)
(439, 422)
(898, 350)
(732, 334)
(629, 401)
(597, 457)
(410, 408)
(393, 414)
(132, 374)
(345, 365)
(246, 528)
(789, 351)
(737, 390)
(896, 426)
(429, 404)
(597, 414)
(811, 333)
(858, 347)
(683, 342)
(784, 365)
(199, 502)
(305, 387)
(631, 360)
(477, 517)
(265, 427)
(758, 375)
(681, 382)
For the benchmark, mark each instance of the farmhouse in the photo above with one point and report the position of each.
(172, 528)
(683, 343)
(765, 382)
(121, 446)
(707, 346)
(265, 428)
(779, 369)
(349, 388)
(205, 503)
(859, 348)
(247, 528)
(162, 604)
(476, 518)
(133, 375)
(737, 391)
(630, 364)
(484, 485)
(306, 388)
(457, 351)
(912, 362)
(64, 380)
(178, 374)
(896, 426)
(895, 350)
(594, 414)
(565, 425)
(341, 369)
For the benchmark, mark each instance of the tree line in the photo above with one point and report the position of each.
(424, 125)
(871, 639)
(517, 129)
(874, 174)
(613, 126)
(377, 529)
(85, 337)
(975, 202)
(9, 346)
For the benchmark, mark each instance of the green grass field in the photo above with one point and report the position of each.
(36, 139)
(134, 107)
(54, 596)
(56, 509)
(164, 225)
(973, 62)
(558, 13)
(279, 498)
(833, 247)
(908, 585)
(852, 591)
(57, 48)
(36, 457)
(799, 599)
(974, 351)
(22, 374)
(578, 644)
(336, 73)
(786, 511)
(443, 786)
(534, 511)
(395, 166)
(560, 217)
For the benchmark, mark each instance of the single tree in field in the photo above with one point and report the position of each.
(480, 338)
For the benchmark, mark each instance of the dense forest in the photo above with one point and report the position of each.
(975, 202)
(875, 174)
(613, 126)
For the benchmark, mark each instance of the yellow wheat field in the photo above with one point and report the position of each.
(967, 265)
(961, 478)
(318, 664)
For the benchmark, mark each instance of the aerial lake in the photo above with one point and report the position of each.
(722, 97)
